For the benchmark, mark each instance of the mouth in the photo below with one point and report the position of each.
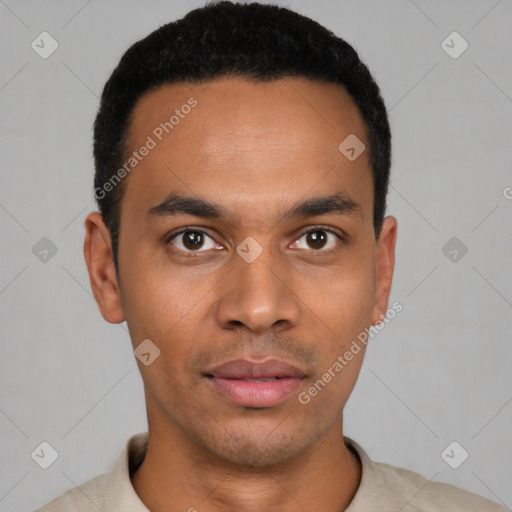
(252, 384)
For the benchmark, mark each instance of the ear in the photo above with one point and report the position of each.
(100, 265)
(385, 265)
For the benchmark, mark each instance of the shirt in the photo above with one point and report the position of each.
(383, 488)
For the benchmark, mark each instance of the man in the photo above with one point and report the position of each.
(242, 160)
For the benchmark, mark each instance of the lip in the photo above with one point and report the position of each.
(255, 384)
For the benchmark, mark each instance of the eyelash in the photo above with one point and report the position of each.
(314, 229)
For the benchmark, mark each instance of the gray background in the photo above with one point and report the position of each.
(439, 372)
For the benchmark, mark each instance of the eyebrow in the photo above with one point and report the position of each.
(178, 204)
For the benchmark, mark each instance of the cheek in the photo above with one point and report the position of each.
(342, 296)
(172, 310)
(157, 300)
(343, 307)
(340, 343)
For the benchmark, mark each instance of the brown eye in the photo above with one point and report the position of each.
(191, 240)
(318, 239)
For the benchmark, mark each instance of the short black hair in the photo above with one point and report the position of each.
(259, 42)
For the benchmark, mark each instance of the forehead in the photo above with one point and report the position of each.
(314, 108)
(232, 139)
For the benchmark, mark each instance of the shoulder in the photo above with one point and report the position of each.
(112, 490)
(384, 487)
(421, 494)
(88, 497)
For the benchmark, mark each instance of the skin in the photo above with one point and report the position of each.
(257, 149)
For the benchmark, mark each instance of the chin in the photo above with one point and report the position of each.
(256, 454)
(257, 449)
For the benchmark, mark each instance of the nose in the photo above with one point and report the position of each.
(258, 296)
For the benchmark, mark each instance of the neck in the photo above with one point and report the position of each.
(176, 474)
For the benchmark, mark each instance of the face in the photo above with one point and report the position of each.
(269, 257)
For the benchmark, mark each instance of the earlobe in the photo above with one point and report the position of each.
(384, 266)
(100, 266)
